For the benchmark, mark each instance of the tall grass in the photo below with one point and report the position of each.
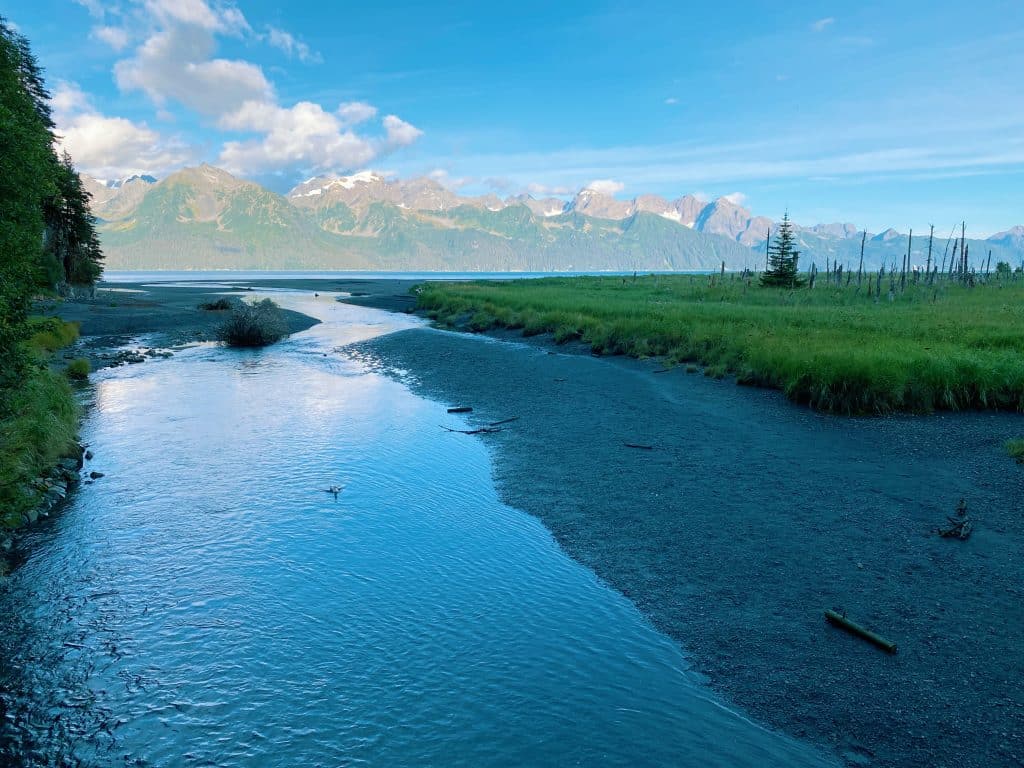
(48, 334)
(39, 429)
(38, 419)
(933, 347)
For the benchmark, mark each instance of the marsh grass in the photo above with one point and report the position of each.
(942, 347)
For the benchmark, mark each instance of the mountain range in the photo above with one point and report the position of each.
(205, 218)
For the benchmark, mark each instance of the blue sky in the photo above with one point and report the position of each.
(884, 114)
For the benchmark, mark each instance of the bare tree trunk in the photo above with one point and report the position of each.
(928, 264)
(860, 269)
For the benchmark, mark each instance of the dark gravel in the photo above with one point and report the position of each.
(751, 516)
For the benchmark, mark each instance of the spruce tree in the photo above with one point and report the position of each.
(783, 259)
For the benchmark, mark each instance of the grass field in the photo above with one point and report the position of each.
(941, 347)
(41, 422)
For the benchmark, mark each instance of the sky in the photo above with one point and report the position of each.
(899, 113)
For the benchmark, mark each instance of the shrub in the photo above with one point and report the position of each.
(1015, 449)
(78, 369)
(48, 334)
(253, 325)
(220, 305)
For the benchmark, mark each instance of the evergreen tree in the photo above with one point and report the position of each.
(26, 179)
(783, 258)
(47, 235)
(70, 239)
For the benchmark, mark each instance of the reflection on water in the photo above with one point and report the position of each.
(207, 603)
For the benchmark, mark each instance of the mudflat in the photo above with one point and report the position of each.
(745, 517)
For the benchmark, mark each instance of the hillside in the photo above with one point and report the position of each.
(205, 218)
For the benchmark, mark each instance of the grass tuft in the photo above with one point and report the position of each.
(1015, 449)
(78, 369)
(220, 305)
(48, 334)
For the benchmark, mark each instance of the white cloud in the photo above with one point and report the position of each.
(605, 186)
(305, 136)
(671, 100)
(445, 179)
(356, 112)
(110, 146)
(175, 64)
(94, 7)
(736, 198)
(822, 24)
(545, 190)
(399, 132)
(67, 100)
(115, 37)
(293, 47)
(197, 13)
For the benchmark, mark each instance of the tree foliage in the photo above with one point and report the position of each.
(47, 235)
(783, 259)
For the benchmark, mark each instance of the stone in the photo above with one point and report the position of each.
(88, 455)
(95, 475)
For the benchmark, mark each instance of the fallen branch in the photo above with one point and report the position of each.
(838, 619)
(641, 447)
(480, 431)
(460, 409)
(662, 370)
(503, 421)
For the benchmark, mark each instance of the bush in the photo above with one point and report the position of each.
(253, 325)
(48, 334)
(78, 369)
(219, 305)
(1015, 450)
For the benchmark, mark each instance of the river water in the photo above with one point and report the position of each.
(207, 603)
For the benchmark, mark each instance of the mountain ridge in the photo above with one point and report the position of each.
(204, 217)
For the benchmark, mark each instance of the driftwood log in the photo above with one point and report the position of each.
(839, 620)
(460, 409)
(479, 431)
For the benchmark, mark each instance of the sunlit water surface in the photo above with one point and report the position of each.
(207, 603)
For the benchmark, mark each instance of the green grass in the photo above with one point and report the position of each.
(48, 334)
(947, 347)
(78, 369)
(40, 430)
(39, 423)
(1015, 449)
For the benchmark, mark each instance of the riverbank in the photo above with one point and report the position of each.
(928, 346)
(750, 516)
(120, 324)
(113, 321)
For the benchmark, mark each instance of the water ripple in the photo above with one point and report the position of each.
(207, 603)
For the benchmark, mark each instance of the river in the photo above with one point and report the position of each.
(207, 603)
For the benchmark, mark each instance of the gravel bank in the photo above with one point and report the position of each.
(750, 516)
